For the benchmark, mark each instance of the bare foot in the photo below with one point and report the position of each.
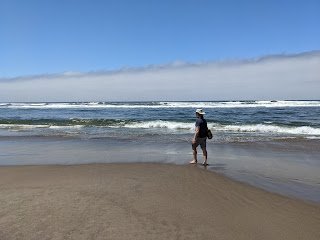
(193, 162)
(205, 164)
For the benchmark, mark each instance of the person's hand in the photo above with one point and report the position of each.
(193, 141)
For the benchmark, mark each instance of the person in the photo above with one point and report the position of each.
(200, 137)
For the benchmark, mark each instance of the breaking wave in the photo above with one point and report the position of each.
(258, 128)
(158, 124)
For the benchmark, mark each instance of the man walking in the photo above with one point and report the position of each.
(200, 137)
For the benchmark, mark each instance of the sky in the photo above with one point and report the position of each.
(75, 50)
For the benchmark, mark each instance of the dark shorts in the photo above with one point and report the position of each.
(200, 141)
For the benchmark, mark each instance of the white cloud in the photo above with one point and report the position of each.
(295, 76)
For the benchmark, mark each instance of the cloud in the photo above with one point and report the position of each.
(285, 76)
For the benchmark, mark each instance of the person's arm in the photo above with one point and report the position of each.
(196, 134)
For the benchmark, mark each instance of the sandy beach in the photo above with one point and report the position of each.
(144, 201)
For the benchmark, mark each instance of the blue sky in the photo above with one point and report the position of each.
(46, 37)
(75, 50)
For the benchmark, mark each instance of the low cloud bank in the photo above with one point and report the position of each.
(279, 77)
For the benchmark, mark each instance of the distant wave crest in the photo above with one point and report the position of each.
(229, 104)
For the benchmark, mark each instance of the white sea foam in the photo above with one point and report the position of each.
(22, 126)
(67, 127)
(161, 124)
(313, 137)
(26, 126)
(241, 104)
(262, 128)
(205, 105)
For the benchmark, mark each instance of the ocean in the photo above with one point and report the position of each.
(233, 121)
(270, 144)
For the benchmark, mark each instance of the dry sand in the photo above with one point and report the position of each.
(144, 201)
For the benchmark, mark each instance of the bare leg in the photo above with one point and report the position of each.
(205, 155)
(194, 151)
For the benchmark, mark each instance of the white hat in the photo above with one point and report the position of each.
(200, 111)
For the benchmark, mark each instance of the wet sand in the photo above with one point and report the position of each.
(289, 168)
(144, 201)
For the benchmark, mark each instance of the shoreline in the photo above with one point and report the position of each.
(144, 200)
(287, 167)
